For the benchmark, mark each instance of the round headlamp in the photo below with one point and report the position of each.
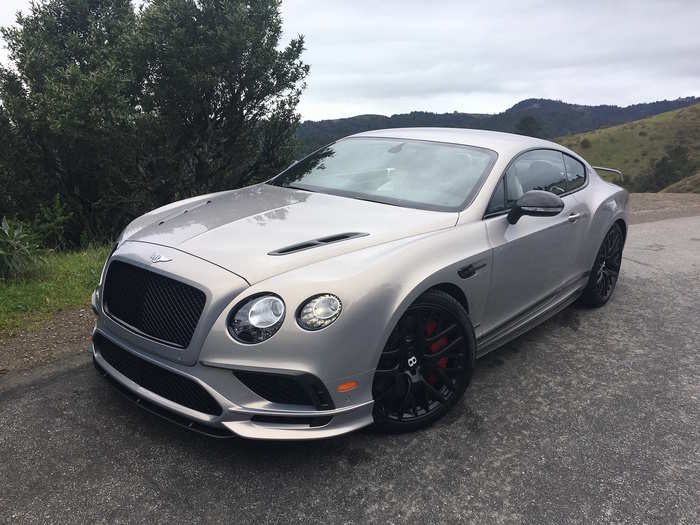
(319, 311)
(256, 319)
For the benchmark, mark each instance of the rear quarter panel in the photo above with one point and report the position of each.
(606, 203)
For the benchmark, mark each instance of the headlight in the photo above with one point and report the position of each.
(256, 319)
(319, 311)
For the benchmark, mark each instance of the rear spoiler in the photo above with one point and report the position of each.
(611, 170)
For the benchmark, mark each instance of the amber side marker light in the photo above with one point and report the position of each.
(346, 387)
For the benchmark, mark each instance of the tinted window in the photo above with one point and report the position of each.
(575, 172)
(412, 173)
(497, 202)
(535, 170)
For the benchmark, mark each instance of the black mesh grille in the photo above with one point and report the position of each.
(158, 380)
(155, 305)
(298, 389)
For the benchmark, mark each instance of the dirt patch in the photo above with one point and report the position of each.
(67, 333)
(649, 207)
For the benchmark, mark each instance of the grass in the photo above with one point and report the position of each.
(688, 185)
(61, 281)
(634, 147)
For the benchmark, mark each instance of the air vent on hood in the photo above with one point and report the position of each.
(321, 241)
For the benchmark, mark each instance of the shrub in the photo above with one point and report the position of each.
(18, 250)
(672, 167)
(585, 143)
(51, 222)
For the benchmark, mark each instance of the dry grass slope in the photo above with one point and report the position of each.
(635, 147)
(688, 185)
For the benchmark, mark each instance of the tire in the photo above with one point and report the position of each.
(426, 365)
(606, 269)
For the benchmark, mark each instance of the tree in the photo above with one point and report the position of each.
(120, 112)
(529, 125)
(224, 93)
(67, 115)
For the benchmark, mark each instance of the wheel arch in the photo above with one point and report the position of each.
(453, 290)
(623, 225)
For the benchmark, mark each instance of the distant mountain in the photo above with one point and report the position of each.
(540, 117)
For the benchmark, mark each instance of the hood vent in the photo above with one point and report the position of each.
(321, 241)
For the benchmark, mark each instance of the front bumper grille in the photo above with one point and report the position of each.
(165, 383)
(152, 304)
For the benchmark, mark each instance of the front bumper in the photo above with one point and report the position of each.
(215, 362)
(243, 416)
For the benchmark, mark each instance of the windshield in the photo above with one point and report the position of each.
(412, 173)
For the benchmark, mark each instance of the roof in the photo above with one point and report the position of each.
(494, 140)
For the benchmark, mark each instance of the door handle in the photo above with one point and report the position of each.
(574, 217)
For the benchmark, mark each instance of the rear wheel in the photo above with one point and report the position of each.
(426, 365)
(606, 269)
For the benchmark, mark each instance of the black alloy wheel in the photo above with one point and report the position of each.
(426, 365)
(606, 269)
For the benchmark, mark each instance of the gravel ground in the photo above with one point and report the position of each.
(648, 207)
(67, 333)
(592, 417)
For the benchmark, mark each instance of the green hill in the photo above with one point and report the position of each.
(687, 185)
(636, 147)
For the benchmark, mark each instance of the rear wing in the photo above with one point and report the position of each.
(610, 170)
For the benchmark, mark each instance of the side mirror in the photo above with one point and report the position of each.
(536, 203)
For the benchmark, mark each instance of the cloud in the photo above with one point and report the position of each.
(395, 56)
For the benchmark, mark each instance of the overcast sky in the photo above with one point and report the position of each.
(386, 56)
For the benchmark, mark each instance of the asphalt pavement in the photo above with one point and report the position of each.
(593, 417)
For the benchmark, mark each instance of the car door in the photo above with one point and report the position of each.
(534, 259)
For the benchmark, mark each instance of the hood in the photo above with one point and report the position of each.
(238, 229)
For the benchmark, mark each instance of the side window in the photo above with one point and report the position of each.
(575, 173)
(497, 202)
(536, 170)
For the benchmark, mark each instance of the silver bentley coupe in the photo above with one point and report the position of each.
(358, 286)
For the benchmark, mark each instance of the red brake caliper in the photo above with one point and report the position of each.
(435, 347)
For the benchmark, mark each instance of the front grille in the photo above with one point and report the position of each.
(154, 305)
(296, 389)
(153, 378)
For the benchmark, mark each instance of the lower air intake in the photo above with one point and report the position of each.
(290, 389)
(167, 384)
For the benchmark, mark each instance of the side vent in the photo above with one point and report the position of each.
(321, 241)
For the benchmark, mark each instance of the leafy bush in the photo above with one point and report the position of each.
(585, 143)
(51, 222)
(18, 250)
(671, 168)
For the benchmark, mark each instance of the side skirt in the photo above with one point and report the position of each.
(526, 321)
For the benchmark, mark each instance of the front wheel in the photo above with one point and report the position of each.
(606, 269)
(426, 365)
